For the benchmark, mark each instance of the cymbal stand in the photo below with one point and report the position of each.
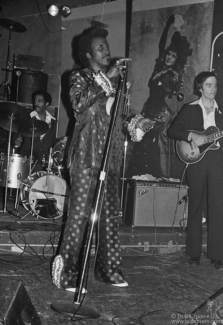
(31, 153)
(18, 74)
(49, 162)
(7, 168)
(57, 163)
(16, 203)
(6, 83)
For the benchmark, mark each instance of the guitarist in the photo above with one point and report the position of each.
(204, 178)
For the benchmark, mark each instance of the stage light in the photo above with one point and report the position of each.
(53, 10)
(56, 9)
(65, 11)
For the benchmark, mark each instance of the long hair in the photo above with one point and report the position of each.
(180, 45)
(85, 42)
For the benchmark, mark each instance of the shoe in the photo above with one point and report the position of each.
(75, 289)
(57, 268)
(121, 285)
(217, 264)
(194, 261)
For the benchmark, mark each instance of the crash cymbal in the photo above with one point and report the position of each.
(12, 111)
(12, 25)
(39, 127)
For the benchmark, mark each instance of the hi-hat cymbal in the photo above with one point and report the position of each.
(12, 25)
(33, 127)
(12, 111)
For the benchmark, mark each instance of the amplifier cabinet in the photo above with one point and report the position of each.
(155, 204)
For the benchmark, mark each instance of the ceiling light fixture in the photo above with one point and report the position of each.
(56, 9)
(65, 11)
(53, 10)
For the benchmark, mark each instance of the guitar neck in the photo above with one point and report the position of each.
(214, 136)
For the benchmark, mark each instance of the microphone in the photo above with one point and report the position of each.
(184, 198)
(120, 61)
(18, 73)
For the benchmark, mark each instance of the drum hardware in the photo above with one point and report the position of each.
(60, 153)
(11, 116)
(18, 74)
(49, 161)
(33, 128)
(18, 170)
(12, 26)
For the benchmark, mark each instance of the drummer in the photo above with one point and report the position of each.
(43, 143)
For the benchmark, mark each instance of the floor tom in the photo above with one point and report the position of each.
(18, 169)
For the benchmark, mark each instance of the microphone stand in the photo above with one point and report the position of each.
(76, 310)
(125, 113)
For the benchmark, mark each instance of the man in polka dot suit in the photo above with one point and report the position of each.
(91, 105)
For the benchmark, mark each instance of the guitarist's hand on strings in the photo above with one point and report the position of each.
(197, 139)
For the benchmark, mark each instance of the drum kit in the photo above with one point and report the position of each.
(44, 194)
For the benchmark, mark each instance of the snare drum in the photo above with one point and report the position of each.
(46, 195)
(18, 169)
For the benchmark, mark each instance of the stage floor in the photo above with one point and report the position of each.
(162, 286)
(163, 289)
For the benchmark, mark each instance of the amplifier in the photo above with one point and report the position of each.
(155, 204)
(25, 83)
(28, 62)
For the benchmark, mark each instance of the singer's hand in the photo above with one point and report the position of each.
(116, 70)
(113, 72)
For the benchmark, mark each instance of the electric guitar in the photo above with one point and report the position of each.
(190, 154)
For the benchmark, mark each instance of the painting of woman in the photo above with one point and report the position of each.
(153, 154)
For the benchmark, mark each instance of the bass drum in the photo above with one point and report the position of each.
(45, 195)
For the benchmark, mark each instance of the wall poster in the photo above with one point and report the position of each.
(168, 47)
